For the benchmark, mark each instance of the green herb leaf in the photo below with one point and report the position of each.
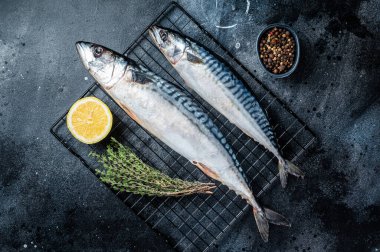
(124, 171)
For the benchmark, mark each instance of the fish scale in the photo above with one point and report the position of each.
(250, 103)
(177, 94)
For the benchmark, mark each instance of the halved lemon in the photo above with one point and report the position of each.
(89, 120)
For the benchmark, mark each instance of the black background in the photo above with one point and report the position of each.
(49, 201)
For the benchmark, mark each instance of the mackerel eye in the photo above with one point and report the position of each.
(98, 51)
(164, 36)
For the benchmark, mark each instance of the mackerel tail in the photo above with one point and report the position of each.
(216, 83)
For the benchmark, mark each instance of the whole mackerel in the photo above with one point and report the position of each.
(216, 84)
(171, 115)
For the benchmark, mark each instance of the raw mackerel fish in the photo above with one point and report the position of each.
(169, 114)
(216, 84)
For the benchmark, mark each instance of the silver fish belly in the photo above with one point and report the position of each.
(173, 117)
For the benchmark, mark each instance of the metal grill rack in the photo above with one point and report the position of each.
(193, 222)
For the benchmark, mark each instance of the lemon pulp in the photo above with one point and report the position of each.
(89, 120)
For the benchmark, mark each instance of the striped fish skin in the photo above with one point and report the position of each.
(168, 113)
(216, 84)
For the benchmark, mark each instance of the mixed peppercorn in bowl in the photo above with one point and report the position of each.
(278, 49)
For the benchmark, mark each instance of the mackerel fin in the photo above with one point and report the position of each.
(262, 224)
(266, 216)
(209, 172)
(140, 78)
(286, 167)
(276, 218)
(194, 59)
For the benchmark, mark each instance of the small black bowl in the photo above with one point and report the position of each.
(297, 50)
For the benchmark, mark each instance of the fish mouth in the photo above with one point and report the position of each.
(81, 45)
(154, 32)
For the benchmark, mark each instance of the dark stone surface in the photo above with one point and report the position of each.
(49, 200)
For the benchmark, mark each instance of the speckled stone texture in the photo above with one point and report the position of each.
(50, 201)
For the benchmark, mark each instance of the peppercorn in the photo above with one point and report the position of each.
(277, 49)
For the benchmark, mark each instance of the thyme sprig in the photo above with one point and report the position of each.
(125, 172)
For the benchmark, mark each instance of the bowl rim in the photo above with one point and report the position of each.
(298, 49)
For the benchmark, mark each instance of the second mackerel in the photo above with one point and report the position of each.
(216, 84)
